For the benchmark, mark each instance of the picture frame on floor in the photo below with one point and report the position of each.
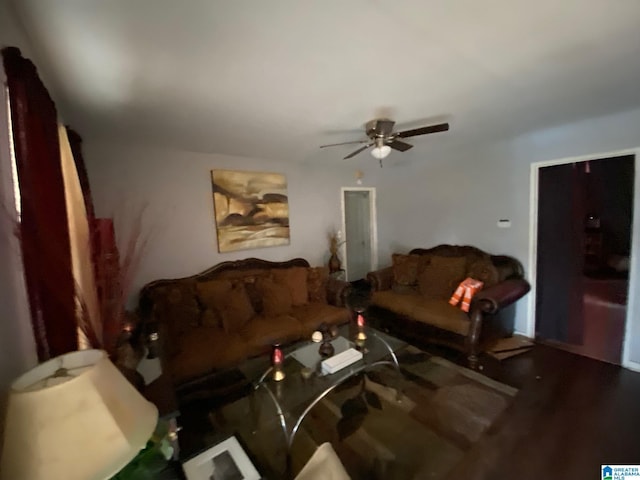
(225, 460)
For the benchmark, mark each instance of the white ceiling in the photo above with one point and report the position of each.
(275, 79)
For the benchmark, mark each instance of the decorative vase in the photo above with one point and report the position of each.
(334, 263)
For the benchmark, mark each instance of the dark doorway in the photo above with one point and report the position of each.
(584, 244)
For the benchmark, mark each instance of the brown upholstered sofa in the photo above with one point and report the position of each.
(235, 310)
(414, 293)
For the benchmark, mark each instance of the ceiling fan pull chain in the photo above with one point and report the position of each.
(380, 162)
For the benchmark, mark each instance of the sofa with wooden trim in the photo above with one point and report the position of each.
(411, 297)
(235, 310)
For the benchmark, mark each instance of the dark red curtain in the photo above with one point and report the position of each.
(44, 225)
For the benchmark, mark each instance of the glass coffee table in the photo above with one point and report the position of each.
(295, 395)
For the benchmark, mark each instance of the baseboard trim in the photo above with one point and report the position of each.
(629, 365)
(523, 334)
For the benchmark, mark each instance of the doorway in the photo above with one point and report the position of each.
(584, 224)
(360, 248)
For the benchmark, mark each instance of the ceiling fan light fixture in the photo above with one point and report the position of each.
(383, 138)
(381, 151)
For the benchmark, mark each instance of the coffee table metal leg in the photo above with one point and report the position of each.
(283, 420)
(253, 410)
(396, 365)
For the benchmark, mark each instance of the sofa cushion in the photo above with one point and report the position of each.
(210, 318)
(252, 291)
(313, 314)
(404, 289)
(396, 302)
(213, 293)
(439, 276)
(276, 298)
(317, 278)
(485, 271)
(177, 307)
(202, 350)
(236, 310)
(432, 311)
(405, 269)
(264, 331)
(295, 279)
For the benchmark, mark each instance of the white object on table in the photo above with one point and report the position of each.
(340, 361)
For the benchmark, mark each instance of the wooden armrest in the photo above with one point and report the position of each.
(381, 279)
(498, 296)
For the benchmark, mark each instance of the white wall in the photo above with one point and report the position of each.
(458, 198)
(175, 186)
(17, 347)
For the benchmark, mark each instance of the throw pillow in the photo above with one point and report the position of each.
(405, 269)
(295, 279)
(210, 318)
(213, 293)
(254, 295)
(276, 298)
(317, 278)
(485, 271)
(236, 311)
(439, 277)
(179, 305)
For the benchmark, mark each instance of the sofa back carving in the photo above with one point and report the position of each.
(507, 267)
(231, 270)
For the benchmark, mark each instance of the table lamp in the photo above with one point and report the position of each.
(74, 417)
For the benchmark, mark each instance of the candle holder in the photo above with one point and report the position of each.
(326, 347)
(277, 358)
(361, 336)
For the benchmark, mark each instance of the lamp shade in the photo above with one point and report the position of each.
(381, 151)
(74, 417)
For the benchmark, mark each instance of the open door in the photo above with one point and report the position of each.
(561, 214)
(585, 212)
(359, 228)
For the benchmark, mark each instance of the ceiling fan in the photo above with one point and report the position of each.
(382, 138)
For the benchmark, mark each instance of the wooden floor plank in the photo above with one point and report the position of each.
(571, 415)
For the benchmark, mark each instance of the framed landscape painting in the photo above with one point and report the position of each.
(251, 209)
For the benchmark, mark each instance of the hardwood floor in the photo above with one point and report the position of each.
(571, 415)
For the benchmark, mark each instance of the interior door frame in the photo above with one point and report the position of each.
(633, 305)
(373, 227)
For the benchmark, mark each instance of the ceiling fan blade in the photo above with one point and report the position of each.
(344, 143)
(361, 149)
(400, 146)
(442, 127)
